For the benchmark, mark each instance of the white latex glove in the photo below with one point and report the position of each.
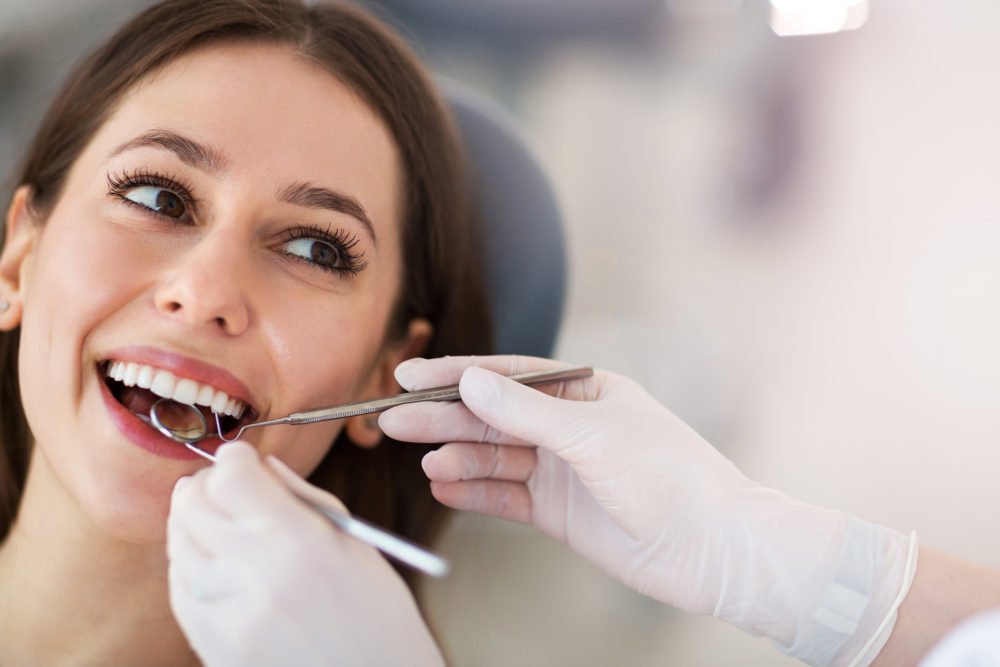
(623, 481)
(257, 578)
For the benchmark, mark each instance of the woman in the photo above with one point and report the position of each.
(253, 205)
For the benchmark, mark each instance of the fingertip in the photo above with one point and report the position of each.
(235, 451)
(181, 483)
(387, 422)
(427, 463)
(451, 463)
(440, 491)
(406, 370)
(443, 466)
(452, 494)
(177, 500)
(479, 387)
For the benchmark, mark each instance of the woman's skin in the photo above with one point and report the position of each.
(223, 295)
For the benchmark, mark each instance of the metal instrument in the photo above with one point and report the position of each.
(189, 430)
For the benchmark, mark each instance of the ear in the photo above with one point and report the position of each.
(363, 430)
(18, 242)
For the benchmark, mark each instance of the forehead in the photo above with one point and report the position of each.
(274, 115)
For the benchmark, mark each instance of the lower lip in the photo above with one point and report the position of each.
(146, 437)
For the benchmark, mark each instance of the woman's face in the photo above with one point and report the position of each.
(235, 223)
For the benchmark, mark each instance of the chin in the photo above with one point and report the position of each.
(137, 515)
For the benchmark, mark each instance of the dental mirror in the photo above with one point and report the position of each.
(180, 422)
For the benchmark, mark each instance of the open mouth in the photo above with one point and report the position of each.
(138, 386)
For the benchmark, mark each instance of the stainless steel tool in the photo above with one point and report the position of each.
(189, 430)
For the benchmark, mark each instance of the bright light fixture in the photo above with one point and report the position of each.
(814, 17)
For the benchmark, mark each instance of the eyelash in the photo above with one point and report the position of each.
(343, 242)
(119, 184)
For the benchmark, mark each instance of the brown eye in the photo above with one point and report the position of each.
(159, 200)
(169, 204)
(315, 251)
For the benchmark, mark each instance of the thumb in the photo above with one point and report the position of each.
(518, 410)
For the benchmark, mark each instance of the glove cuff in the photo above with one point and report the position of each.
(822, 585)
(857, 609)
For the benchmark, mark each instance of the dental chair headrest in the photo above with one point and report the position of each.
(522, 228)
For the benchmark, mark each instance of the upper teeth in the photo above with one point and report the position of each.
(166, 384)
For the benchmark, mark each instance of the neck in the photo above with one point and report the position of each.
(72, 594)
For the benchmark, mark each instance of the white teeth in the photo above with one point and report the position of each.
(163, 384)
(186, 391)
(145, 377)
(205, 395)
(219, 402)
(183, 390)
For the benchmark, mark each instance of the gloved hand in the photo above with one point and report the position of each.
(257, 578)
(621, 480)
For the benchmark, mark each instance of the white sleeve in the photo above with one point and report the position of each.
(974, 643)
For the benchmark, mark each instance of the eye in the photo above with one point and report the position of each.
(314, 250)
(158, 199)
(324, 249)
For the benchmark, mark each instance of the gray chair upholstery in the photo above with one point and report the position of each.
(522, 234)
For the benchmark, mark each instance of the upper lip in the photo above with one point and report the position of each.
(187, 367)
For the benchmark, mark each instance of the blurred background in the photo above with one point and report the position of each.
(781, 218)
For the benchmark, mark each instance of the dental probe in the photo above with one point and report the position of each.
(449, 393)
(191, 434)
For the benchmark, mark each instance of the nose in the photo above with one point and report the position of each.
(206, 285)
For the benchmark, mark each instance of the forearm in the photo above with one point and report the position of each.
(945, 590)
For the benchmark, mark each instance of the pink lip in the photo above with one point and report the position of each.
(144, 435)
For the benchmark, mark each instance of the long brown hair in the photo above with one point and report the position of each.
(441, 280)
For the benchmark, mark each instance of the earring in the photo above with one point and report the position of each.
(4, 306)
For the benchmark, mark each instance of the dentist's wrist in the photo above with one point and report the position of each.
(857, 608)
(822, 585)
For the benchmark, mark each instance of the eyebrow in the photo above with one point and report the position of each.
(312, 196)
(190, 152)
(207, 159)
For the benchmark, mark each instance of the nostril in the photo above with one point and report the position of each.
(221, 306)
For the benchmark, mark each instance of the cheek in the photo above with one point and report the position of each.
(325, 348)
(326, 363)
(78, 278)
(322, 362)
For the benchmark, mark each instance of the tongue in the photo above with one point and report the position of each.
(138, 400)
(174, 415)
